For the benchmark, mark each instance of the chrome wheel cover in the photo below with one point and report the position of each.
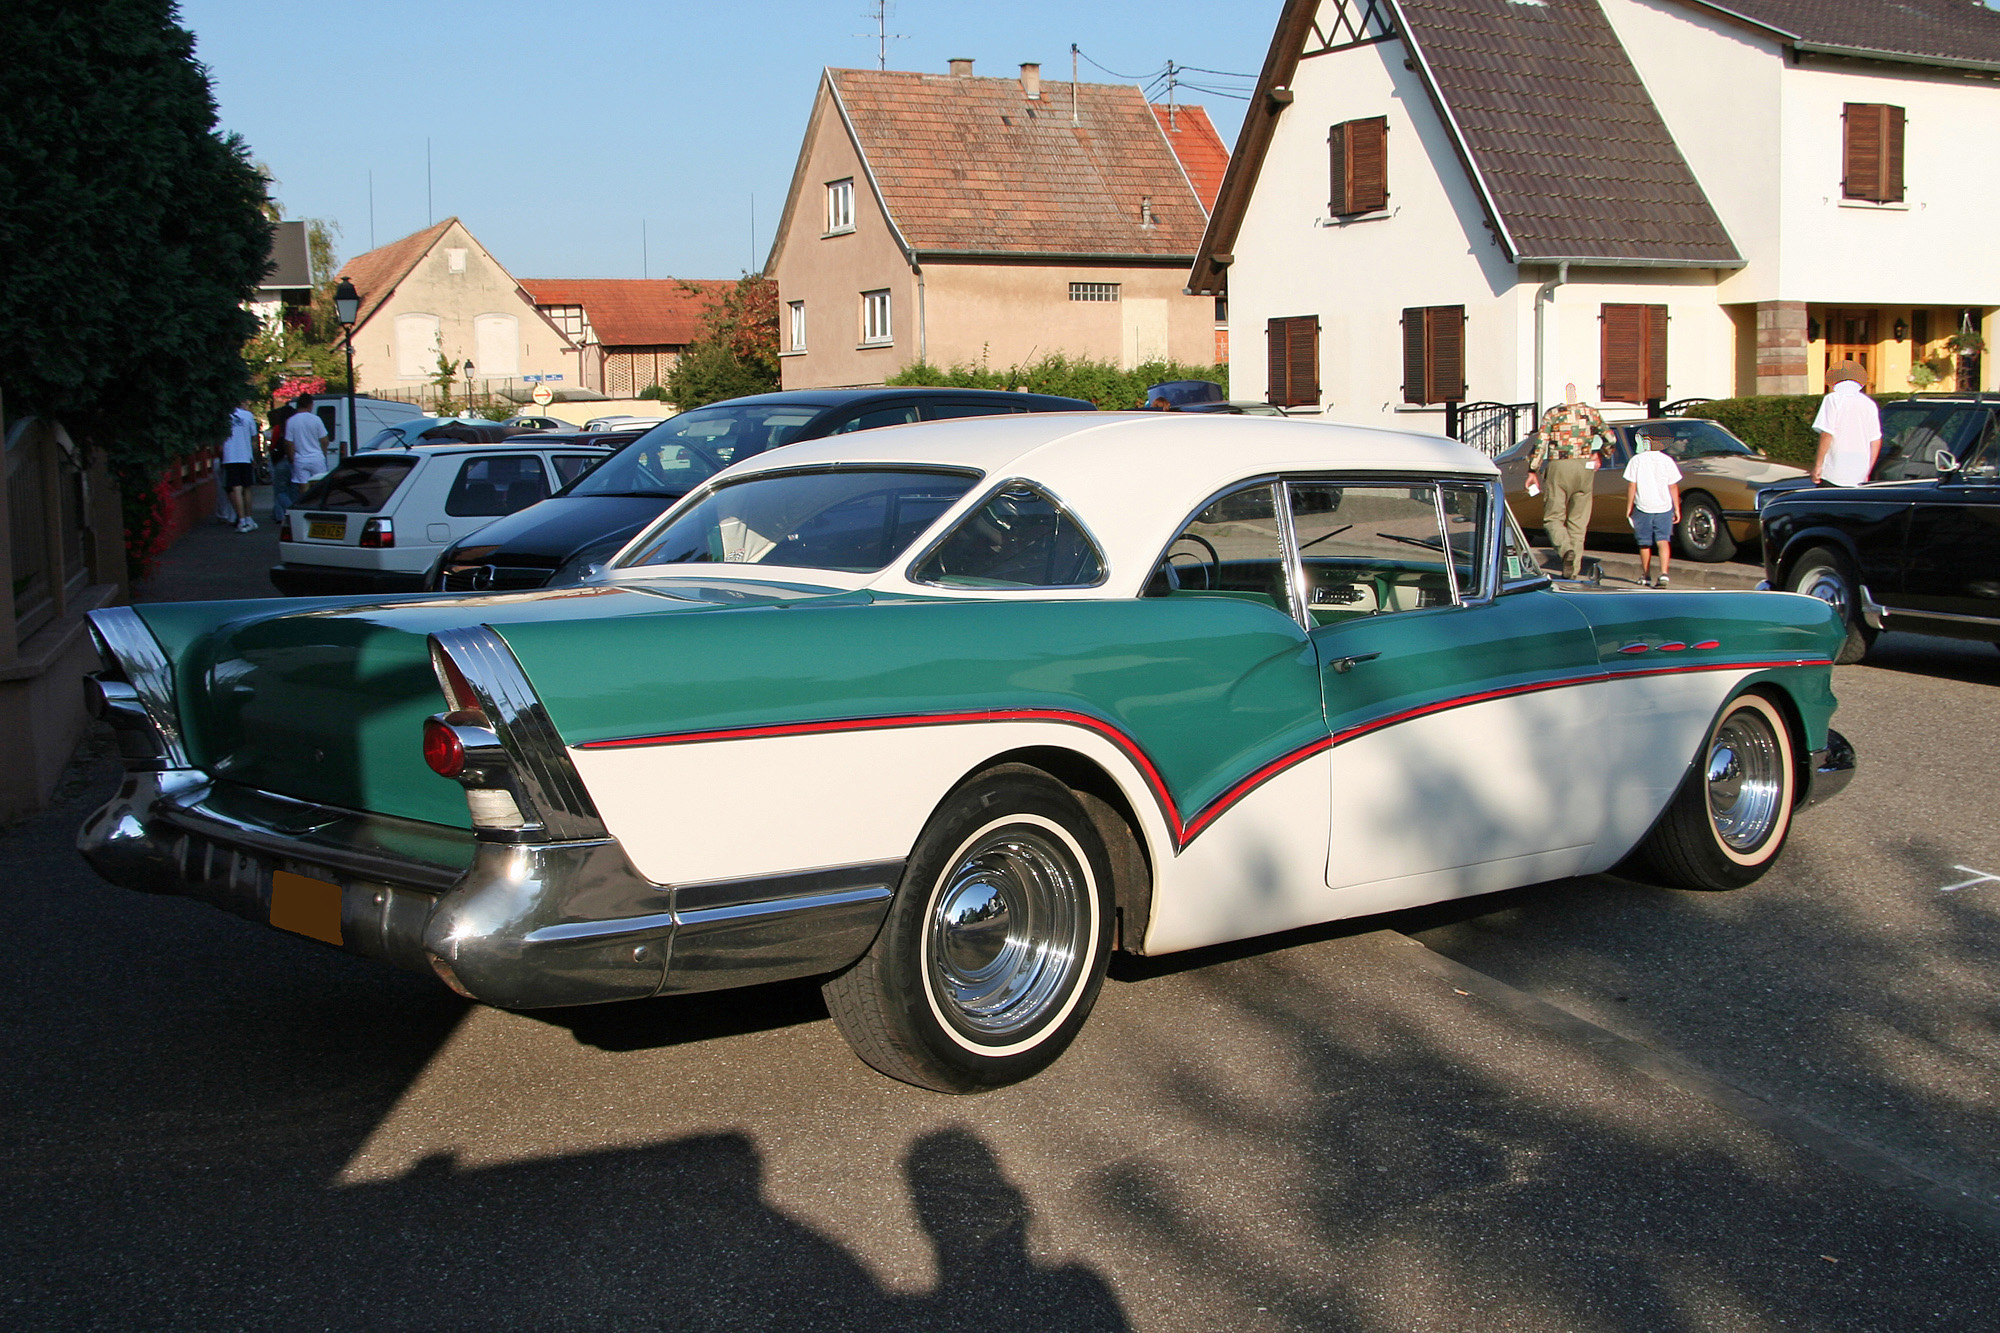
(1009, 931)
(1829, 586)
(1746, 780)
(1698, 527)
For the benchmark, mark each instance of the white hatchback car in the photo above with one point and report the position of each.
(377, 522)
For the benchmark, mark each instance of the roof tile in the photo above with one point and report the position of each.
(634, 312)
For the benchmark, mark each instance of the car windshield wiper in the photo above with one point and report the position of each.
(1326, 537)
(634, 495)
(1411, 541)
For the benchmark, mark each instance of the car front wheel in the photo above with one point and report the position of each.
(1823, 574)
(1728, 822)
(1703, 532)
(995, 946)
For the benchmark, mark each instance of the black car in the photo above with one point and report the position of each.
(1918, 547)
(557, 540)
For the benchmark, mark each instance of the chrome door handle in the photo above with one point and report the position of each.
(1343, 665)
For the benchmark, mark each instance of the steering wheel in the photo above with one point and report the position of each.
(1211, 576)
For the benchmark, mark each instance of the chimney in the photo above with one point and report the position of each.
(961, 69)
(1031, 81)
(1147, 218)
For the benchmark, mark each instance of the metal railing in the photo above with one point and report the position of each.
(1491, 428)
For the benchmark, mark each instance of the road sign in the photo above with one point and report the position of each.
(544, 395)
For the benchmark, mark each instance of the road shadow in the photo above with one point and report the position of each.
(675, 1020)
(1942, 659)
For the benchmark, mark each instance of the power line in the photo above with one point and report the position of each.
(1114, 73)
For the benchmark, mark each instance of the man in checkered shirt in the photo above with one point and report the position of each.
(1571, 436)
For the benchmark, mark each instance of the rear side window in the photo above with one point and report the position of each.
(899, 415)
(1021, 538)
(493, 485)
(571, 466)
(1912, 434)
(358, 486)
(947, 411)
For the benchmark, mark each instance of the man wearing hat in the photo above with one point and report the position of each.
(1850, 429)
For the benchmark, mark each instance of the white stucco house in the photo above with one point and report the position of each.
(1441, 201)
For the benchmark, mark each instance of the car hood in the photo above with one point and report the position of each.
(1750, 471)
(560, 527)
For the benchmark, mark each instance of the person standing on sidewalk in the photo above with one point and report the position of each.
(1850, 430)
(239, 468)
(281, 466)
(1653, 503)
(305, 433)
(1567, 445)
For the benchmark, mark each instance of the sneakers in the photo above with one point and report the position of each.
(246, 524)
(1645, 582)
(1662, 581)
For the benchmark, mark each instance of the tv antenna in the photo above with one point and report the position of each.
(879, 11)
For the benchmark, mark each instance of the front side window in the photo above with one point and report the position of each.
(571, 466)
(1372, 550)
(1021, 538)
(1914, 433)
(490, 485)
(875, 325)
(852, 521)
(1233, 548)
(798, 311)
(840, 206)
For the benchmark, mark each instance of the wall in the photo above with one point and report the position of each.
(1006, 314)
(458, 301)
(829, 272)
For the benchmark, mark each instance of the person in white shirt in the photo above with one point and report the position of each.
(1850, 430)
(306, 434)
(239, 470)
(1653, 502)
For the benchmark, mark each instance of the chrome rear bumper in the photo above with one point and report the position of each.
(1830, 770)
(519, 925)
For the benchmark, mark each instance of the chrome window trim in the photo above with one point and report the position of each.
(125, 641)
(1489, 557)
(1271, 479)
(561, 803)
(1444, 544)
(985, 497)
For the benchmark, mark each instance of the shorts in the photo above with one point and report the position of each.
(1652, 529)
(239, 474)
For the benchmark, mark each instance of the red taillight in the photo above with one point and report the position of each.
(379, 532)
(443, 750)
(287, 536)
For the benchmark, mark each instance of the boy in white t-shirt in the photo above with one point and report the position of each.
(1653, 503)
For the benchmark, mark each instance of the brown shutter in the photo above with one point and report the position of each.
(1873, 152)
(1336, 151)
(1292, 361)
(1367, 165)
(1632, 357)
(1656, 353)
(1416, 383)
(1446, 332)
(1892, 155)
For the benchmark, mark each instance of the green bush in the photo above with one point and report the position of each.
(1778, 424)
(1098, 382)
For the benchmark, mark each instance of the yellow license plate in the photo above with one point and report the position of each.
(327, 532)
(305, 906)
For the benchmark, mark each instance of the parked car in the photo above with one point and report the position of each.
(584, 525)
(944, 715)
(437, 430)
(1920, 551)
(378, 520)
(371, 416)
(533, 422)
(622, 423)
(1721, 478)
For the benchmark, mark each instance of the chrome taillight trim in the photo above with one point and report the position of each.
(542, 767)
(130, 648)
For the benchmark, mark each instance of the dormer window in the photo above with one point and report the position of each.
(840, 206)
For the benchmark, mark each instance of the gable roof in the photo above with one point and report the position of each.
(972, 166)
(376, 272)
(1550, 120)
(1926, 32)
(634, 312)
(1193, 138)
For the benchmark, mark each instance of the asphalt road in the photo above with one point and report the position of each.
(207, 1125)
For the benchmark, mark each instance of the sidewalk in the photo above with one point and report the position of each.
(214, 562)
(1621, 569)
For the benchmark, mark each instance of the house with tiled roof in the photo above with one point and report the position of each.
(632, 330)
(1435, 201)
(439, 291)
(954, 219)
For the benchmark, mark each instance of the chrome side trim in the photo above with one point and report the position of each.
(1872, 612)
(123, 638)
(778, 927)
(561, 802)
(1955, 617)
(1830, 770)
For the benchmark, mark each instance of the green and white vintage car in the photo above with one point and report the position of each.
(946, 713)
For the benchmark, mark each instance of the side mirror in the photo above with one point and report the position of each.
(1946, 462)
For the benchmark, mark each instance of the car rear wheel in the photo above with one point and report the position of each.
(1728, 822)
(995, 946)
(1703, 533)
(1823, 574)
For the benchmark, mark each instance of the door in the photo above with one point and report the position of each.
(1953, 566)
(1607, 493)
(1850, 336)
(1456, 766)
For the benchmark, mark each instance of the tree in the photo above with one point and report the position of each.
(131, 233)
(737, 353)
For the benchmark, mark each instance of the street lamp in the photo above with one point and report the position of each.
(346, 309)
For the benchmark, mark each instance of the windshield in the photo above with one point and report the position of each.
(850, 520)
(651, 465)
(1691, 438)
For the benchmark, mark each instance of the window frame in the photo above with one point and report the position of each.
(798, 325)
(1888, 172)
(953, 521)
(1095, 292)
(839, 207)
(885, 336)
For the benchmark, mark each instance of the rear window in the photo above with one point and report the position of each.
(358, 486)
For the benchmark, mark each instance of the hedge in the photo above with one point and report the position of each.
(1099, 382)
(1778, 424)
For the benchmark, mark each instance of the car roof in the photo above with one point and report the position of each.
(844, 397)
(521, 444)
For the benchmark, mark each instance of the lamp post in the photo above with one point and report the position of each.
(346, 309)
